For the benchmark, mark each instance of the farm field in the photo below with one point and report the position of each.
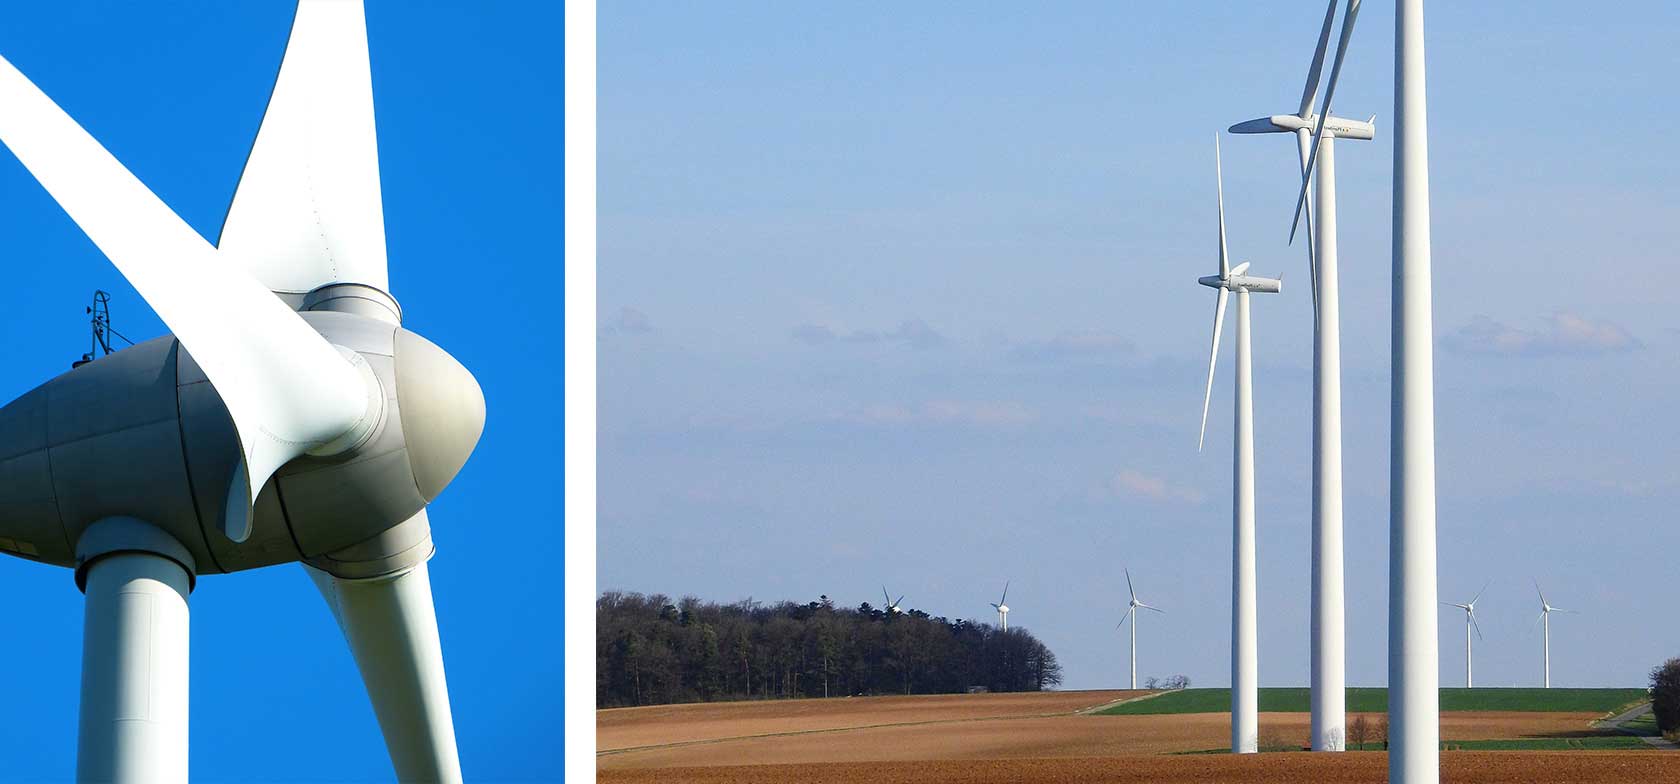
(1064, 736)
(1460, 767)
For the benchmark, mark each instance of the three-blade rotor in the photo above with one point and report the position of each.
(1310, 92)
(1224, 294)
(1229, 279)
(288, 390)
(1134, 605)
(1348, 19)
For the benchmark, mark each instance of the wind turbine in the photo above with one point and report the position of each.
(1131, 610)
(288, 373)
(1545, 620)
(1328, 660)
(1245, 694)
(892, 606)
(1002, 609)
(1469, 621)
(1414, 655)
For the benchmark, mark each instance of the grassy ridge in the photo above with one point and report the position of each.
(1375, 700)
(1546, 744)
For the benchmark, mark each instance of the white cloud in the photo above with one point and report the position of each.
(1082, 344)
(987, 414)
(914, 333)
(1130, 483)
(1560, 334)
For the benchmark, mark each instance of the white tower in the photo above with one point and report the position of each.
(1245, 694)
(1414, 658)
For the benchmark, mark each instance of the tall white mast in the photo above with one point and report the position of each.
(1413, 655)
(1245, 678)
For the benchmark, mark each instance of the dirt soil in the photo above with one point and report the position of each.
(966, 727)
(622, 728)
(1466, 767)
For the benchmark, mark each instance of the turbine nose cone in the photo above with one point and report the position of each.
(442, 410)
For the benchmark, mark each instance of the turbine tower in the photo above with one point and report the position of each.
(1002, 609)
(1545, 620)
(1469, 621)
(1328, 659)
(1131, 610)
(1245, 694)
(287, 373)
(892, 606)
(1414, 656)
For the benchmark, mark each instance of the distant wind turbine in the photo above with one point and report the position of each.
(1003, 609)
(1545, 620)
(1131, 610)
(1245, 691)
(892, 606)
(1469, 621)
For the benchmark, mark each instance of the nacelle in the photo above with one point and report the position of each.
(142, 433)
(1243, 283)
(1289, 123)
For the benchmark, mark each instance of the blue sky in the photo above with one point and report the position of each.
(469, 116)
(906, 295)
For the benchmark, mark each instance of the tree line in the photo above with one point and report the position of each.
(650, 650)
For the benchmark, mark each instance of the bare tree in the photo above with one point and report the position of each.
(1359, 731)
(1382, 731)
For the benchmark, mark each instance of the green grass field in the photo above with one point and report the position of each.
(1596, 742)
(1375, 700)
(1590, 743)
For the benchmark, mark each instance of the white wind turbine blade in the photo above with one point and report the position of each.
(1312, 244)
(1126, 617)
(1213, 359)
(287, 389)
(1129, 585)
(1477, 626)
(886, 597)
(899, 602)
(1152, 607)
(391, 627)
(1479, 593)
(1219, 183)
(1324, 111)
(1005, 596)
(1542, 595)
(1316, 70)
(308, 211)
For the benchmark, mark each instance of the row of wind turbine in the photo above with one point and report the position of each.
(1314, 151)
(1543, 619)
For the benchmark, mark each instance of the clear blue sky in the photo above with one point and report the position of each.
(906, 295)
(469, 114)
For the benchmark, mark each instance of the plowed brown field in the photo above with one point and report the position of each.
(1457, 767)
(620, 728)
(1042, 737)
